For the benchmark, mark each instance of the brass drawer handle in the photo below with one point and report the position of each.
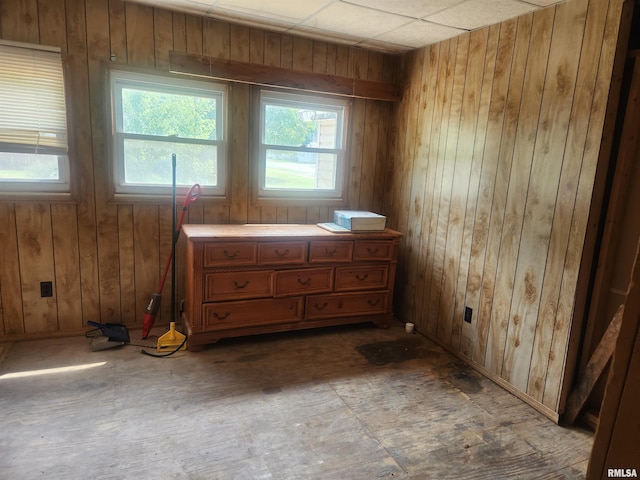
(283, 254)
(373, 303)
(231, 256)
(305, 282)
(372, 251)
(237, 285)
(320, 307)
(362, 278)
(330, 253)
(221, 317)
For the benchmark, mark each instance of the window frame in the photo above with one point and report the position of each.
(55, 78)
(284, 97)
(151, 80)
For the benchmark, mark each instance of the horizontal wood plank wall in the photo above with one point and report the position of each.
(105, 259)
(494, 165)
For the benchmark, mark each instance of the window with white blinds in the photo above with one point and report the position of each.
(33, 121)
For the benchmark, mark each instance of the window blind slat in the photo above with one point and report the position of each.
(32, 103)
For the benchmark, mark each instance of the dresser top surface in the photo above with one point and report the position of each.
(210, 231)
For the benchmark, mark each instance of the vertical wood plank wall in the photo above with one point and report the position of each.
(494, 164)
(105, 258)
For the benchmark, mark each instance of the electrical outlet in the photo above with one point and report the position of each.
(468, 314)
(46, 289)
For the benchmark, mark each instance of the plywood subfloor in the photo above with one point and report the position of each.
(353, 402)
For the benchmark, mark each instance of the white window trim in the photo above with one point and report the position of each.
(34, 137)
(119, 78)
(286, 98)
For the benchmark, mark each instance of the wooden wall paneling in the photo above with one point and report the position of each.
(303, 53)
(140, 48)
(473, 246)
(118, 30)
(421, 185)
(256, 55)
(450, 110)
(53, 31)
(286, 51)
(51, 24)
(455, 180)
(353, 158)
(332, 55)
(272, 57)
(379, 182)
(199, 34)
(35, 250)
(423, 68)
(481, 269)
(179, 30)
(98, 51)
(215, 41)
(369, 155)
(239, 151)
(81, 155)
(215, 37)
(146, 255)
(343, 61)
(465, 188)
(430, 211)
(19, 23)
(162, 37)
(67, 267)
(239, 130)
(319, 62)
(127, 277)
(565, 203)
(556, 107)
(319, 65)
(10, 281)
(504, 231)
(583, 232)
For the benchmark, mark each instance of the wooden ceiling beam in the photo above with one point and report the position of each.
(256, 74)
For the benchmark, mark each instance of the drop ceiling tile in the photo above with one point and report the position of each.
(419, 33)
(409, 8)
(354, 20)
(473, 14)
(290, 11)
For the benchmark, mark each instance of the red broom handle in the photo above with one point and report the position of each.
(192, 195)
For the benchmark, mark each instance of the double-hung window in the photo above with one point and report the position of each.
(155, 117)
(33, 121)
(301, 153)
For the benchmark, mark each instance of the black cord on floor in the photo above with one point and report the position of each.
(162, 355)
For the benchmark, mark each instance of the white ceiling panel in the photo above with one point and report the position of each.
(473, 14)
(419, 33)
(409, 8)
(391, 26)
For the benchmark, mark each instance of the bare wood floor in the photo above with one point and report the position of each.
(352, 402)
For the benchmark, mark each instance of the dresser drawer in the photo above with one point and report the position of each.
(330, 251)
(235, 285)
(230, 254)
(346, 304)
(303, 281)
(282, 253)
(366, 250)
(227, 315)
(361, 278)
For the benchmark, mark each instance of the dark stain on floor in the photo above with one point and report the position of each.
(396, 351)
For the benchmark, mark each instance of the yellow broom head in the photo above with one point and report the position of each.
(171, 340)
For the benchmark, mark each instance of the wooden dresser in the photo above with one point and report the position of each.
(250, 279)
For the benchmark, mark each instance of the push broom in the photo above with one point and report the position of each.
(153, 306)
